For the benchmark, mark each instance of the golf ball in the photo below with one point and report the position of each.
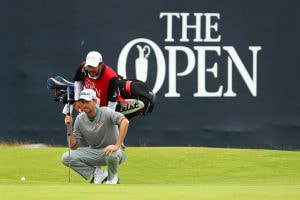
(23, 179)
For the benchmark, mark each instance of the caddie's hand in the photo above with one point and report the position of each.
(68, 120)
(78, 106)
(110, 148)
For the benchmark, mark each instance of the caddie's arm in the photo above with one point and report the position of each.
(113, 92)
(69, 121)
(78, 85)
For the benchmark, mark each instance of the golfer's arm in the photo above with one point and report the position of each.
(72, 139)
(123, 130)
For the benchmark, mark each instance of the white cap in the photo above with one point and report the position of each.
(93, 59)
(88, 94)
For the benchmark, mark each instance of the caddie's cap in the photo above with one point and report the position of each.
(93, 59)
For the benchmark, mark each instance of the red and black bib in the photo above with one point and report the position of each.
(101, 84)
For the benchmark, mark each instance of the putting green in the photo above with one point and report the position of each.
(156, 173)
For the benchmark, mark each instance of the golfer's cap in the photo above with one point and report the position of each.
(87, 94)
(93, 59)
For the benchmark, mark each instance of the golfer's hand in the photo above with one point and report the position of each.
(110, 148)
(68, 120)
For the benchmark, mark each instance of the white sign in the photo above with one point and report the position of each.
(197, 54)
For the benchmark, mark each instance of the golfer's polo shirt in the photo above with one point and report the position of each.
(101, 131)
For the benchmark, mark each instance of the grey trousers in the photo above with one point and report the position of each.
(83, 160)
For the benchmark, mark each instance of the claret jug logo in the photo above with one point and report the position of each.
(141, 63)
(196, 57)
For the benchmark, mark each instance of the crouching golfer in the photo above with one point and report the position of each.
(97, 134)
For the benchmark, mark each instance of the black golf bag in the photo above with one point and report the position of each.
(139, 97)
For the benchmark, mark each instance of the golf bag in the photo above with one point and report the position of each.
(139, 99)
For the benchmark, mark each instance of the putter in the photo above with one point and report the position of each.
(68, 128)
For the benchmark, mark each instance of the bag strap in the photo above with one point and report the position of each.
(127, 87)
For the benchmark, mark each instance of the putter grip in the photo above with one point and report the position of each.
(68, 131)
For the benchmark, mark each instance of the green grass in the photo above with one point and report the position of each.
(156, 173)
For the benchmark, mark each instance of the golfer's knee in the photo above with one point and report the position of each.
(65, 159)
(113, 158)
